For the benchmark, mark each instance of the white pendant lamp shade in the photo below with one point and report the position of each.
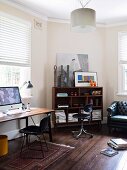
(83, 20)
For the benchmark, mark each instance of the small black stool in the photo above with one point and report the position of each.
(81, 116)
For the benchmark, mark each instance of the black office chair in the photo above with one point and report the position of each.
(37, 131)
(86, 113)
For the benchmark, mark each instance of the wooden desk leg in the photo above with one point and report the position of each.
(50, 131)
(26, 126)
(26, 121)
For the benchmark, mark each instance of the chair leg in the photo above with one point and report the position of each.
(28, 141)
(29, 145)
(82, 130)
(22, 144)
(45, 141)
(41, 146)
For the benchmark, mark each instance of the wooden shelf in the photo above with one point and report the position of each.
(81, 96)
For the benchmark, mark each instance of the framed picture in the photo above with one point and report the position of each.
(83, 79)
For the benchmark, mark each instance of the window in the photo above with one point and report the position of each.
(122, 62)
(15, 50)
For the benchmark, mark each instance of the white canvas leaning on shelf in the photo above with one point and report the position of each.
(76, 62)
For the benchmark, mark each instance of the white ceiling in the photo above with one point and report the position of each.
(107, 11)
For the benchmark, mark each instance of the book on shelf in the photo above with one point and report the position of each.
(62, 95)
(63, 106)
(119, 142)
(109, 152)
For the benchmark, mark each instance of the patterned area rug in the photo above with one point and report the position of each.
(55, 152)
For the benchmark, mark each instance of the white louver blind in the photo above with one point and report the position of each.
(15, 42)
(123, 47)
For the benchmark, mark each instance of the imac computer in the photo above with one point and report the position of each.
(10, 99)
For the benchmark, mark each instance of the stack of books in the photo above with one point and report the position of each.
(118, 144)
(71, 119)
(60, 116)
(96, 115)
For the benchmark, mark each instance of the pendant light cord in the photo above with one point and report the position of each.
(83, 6)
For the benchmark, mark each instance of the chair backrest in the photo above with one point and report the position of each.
(88, 108)
(44, 124)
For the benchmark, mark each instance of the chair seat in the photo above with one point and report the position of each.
(31, 130)
(81, 116)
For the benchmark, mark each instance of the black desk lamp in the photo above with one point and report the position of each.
(28, 85)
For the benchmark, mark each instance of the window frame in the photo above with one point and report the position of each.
(121, 69)
(27, 65)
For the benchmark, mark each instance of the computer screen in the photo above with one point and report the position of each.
(10, 98)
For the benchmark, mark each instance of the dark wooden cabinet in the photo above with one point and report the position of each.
(68, 101)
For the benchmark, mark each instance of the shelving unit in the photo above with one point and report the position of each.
(68, 101)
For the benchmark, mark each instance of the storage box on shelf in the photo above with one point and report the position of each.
(70, 100)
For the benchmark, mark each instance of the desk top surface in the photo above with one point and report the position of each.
(32, 112)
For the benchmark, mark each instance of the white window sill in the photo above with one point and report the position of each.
(122, 94)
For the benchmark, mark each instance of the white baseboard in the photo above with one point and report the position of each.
(13, 134)
(104, 120)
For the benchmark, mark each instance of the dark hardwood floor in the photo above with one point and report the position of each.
(86, 154)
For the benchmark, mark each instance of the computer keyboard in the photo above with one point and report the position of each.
(15, 111)
(2, 114)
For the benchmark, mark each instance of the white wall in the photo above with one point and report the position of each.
(61, 40)
(38, 67)
(111, 63)
(102, 49)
